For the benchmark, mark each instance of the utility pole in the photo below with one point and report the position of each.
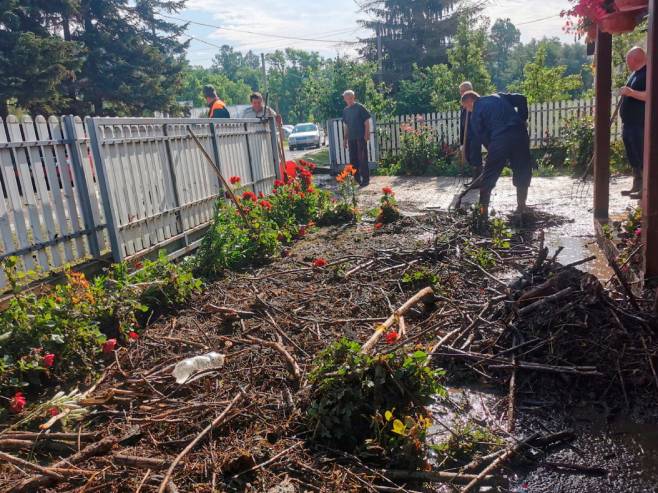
(264, 70)
(380, 67)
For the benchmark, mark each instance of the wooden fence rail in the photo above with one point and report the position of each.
(73, 191)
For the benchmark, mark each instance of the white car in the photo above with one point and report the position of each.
(305, 135)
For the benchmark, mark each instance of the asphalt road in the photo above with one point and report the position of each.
(299, 154)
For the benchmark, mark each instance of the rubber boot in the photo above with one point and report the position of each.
(521, 199)
(637, 184)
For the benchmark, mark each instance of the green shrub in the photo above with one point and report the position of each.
(358, 400)
(578, 137)
(420, 278)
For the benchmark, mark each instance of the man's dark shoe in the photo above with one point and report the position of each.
(364, 184)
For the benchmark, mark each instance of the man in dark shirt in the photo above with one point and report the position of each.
(356, 131)
(216, 107)
(631, 111)
(500, 121)
(471, 147)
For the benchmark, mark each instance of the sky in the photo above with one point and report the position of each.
(328, 26)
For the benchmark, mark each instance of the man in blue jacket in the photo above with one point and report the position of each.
(500, 122)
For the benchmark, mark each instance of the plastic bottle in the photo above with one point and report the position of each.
(188, 367)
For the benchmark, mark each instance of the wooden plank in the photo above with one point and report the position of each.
(144, 177)
(603, 86)
(155, 181)
(650, 192)
(120, 187)
(28, 196)
(6, 205)
(44, 200)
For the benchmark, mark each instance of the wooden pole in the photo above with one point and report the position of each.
(603, 85)
(650, 192)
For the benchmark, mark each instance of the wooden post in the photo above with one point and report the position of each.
(603, 85)
(650, 192)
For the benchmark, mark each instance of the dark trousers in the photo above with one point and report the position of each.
(633, 136)
(512, 147)
(358, 150)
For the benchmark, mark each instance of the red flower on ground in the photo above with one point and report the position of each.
(249, 196)
(391, 337)
(319, 262)
(261, 195)
(53, 411)
(48, 360)
(17, 403)
(387, 191)
(278, 183)
(379, 226)
(109, 345)
(133, 336)
(265, 204)
(235, 180)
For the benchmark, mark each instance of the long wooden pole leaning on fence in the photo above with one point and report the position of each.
(221, 178)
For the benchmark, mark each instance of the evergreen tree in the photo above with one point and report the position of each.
(33, 60)
(411, 32)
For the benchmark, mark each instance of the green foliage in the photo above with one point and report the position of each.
(481, 256)
(238, 67)
(194, 78)
(344, 209)
(351, 393)
(73, 319)
(578, 138)
(466, 443)
(420, 278)
(542, 83)
(500, 234)
(388, 207)
(504, 37)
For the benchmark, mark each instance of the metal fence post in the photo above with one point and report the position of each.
(174, 181)
(215, 150)
(101, 172)
(275, 149)
(84, 194)
(251, 164)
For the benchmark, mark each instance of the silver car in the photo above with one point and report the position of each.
(305, 135)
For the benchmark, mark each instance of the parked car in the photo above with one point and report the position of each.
(305, 135)
(287, 130)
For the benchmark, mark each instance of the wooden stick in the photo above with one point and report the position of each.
(511, 407)
(293, 367)
(218, 172)
(192, 444)
(140, 462)
(432, 476)
(545, 301)
(423, 295)
(28, 465)
(29, 435)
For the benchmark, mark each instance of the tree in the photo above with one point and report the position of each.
(415, 94)
(467, 63)
(411, 32)
(238, 67)
(504, 37)
(194, 78)
(34, 62)
(542, 83)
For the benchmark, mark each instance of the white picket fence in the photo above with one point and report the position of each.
(73, 191)
(545, 123)
(338, 154)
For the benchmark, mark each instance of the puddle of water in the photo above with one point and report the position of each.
(577, 248)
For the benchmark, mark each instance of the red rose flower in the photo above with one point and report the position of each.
(48, 360)
(235, 180)
(133, 336)
(17, 403)
(53, 411)
(378, 226)
(391, 337)
(109, 346)
(278, 183)
(387, 191)
(249, 196)
(319, 262)
(261, 195)
(265, 204)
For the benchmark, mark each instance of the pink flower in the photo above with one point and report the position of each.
(391, 337)
(133, 336)
(638, 232)
(319, 262)
(49, 360)
(17, 403)
(109, 346)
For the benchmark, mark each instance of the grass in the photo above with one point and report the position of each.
(319, 157)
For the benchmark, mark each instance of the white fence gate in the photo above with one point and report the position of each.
(72, 191)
